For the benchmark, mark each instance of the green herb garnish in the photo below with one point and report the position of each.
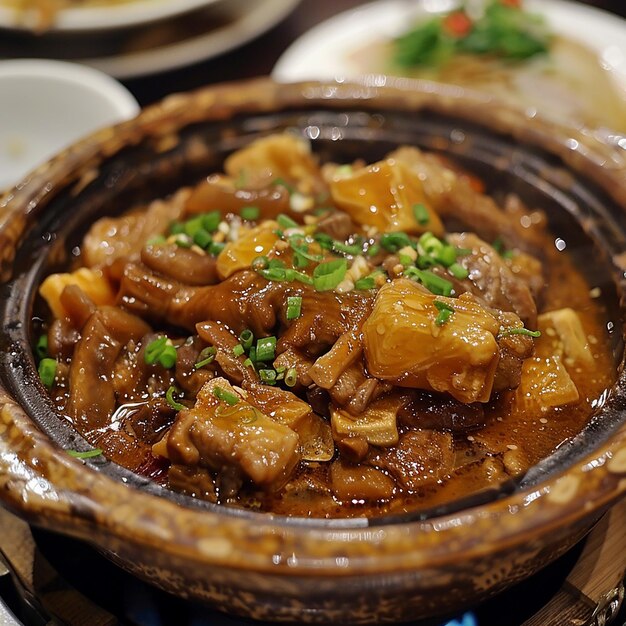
(47, 371)
(225, 396)
(169, 396)
(88, 454)
(506, 332)
(294, 307)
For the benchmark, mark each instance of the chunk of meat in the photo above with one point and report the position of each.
(181, 264)
(214, 435)
(422, 457)
(430, 411)
(112, 238)
(336, 224)
(358, 482)
(92, 393)
(79, 307)
(491, 279)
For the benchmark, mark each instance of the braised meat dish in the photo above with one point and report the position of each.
(325, 340)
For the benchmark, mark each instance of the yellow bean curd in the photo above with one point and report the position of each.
(267, 343)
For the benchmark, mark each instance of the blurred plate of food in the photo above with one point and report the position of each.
(562, 58)
(158, 47)
(89, 15)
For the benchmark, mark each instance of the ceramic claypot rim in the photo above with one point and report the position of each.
(44, 484)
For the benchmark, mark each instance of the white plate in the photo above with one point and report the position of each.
(47, 105)
(88, 18)
(159, 47)
(327, 51)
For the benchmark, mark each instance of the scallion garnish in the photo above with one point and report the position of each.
(160, 351)
(157, 240)
(285, 222)
(260, 263)
(420, 212)
(405, 260)
(238, 350)
(41, 347)
(183, 241)
(392, 242)
(267, 376)
(445, 312)
(435, 284)
(210, 221)
(250, 213)
(283, 183)
(225, 396)
(47, 371)
(206, 356)
(87, 454)
(294, 307)
(291, 377)
(177, 228)
(367, 282)
(246, 339)
(458, 271)
(169, 396)
(266, 349)
(506, 332)
(345, 248)
(202, 238)
(325, 241)
(215, 248)
(328, 275)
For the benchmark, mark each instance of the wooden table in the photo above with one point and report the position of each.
(259, 56)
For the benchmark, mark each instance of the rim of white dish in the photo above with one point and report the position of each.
(113, 92)
(119, 15)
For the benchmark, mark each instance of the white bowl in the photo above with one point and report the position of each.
(103, 17)
(47, 105)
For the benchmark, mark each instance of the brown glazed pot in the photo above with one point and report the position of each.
(309, 571)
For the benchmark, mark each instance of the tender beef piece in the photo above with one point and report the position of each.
(491, 279)
(150, 419)
(78, 304)
(440, 412)
(514, 350)
(62, 339)
(347, 384)
(215, 436)
(358, 482)
(216, 334)
(112, 238)
(188, 378)
(133, 379)
(422, 457)
(291, 358)
(245, 300)
(319, 400)
(218, 193)
(92, 394)
(181, 264)
(337, 224)
(196, 482)
(354, 448)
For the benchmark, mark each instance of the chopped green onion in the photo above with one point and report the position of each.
(352, 249)
(458, 271)
(248, 363)
(327, 276)
(252, 353)
(463, 252)
(266, 349)
(238, 350)
(291, 377)
(498, 245)
(421, 214)
(267, 376)
(443, 316)
(206, 356)
(405, 260)
(276, 263)
(260, 263)
(41, 347)
(250, 213)
(299, 246)
(325, 241)
(294, 307)
(373, 250)
(168, 357)
(215, 248)
(169, 396)
(210, 221)
(193, 225)
(446, 256)
(505, 332)
(47, 371)
(154, 350)
(156, 240)
(392, 242)
(283, 183)
(183, 241)
(442, 306)
(367, 282)
(177, 228)
(203, 238)
(225, 396)
(247, 339)
(435, 284)
(88, 454)
(285, 222)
